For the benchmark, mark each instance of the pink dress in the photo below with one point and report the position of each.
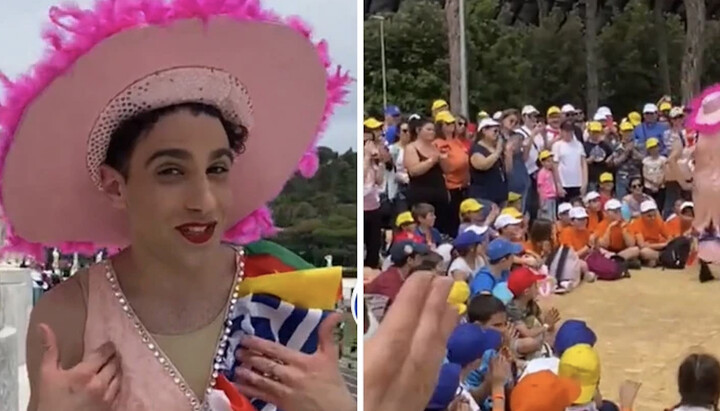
(149, 381)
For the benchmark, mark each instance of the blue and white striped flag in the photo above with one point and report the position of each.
(270, 318)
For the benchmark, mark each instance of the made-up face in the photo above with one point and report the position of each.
(178, 194)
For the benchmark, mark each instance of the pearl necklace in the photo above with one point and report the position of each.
(163, 360)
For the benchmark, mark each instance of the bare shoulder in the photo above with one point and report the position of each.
(63, 309)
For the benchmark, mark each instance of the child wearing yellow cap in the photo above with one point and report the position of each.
(546, 186)
(581, 363)
(471, 213)
(405, 227)
(654, 171)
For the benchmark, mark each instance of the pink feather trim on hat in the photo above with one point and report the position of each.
(74, 31)
(697, 106)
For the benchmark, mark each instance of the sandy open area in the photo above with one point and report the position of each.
(645, 326)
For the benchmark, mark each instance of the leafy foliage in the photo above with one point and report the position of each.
(318, 216)
(513, 65)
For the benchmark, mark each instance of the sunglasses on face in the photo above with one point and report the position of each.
(461, 123)
(404, 130)
(635, 186)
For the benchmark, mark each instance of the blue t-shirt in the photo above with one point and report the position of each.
(645, 131)
(485, 281)
(434, 234)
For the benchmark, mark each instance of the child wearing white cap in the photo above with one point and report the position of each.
(650, 232)
(563, 220)
(612, 234)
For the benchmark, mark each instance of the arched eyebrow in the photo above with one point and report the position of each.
(182, 154)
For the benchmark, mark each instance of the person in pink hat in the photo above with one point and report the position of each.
(705, 118)
(152, 128)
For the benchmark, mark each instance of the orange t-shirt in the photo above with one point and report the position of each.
(676, 227)
(652, 232)
(593, 220)
(575, 238)
(559, 227)
(457, 170)
(617, 242)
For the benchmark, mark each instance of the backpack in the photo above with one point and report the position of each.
(607, 269)
(675, 254)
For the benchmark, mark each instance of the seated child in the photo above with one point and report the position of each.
(607, 185)
(650, 232)
(577, 236)
(544, 391)
(444, 397)
(511, 229)
(515, 201)
(468, 255)
(612, 234)
(698, 383)
(465, 347)
(405, 228)
(500, 253)
(570, 333)
(563, 220)
(676, 210)
(582, 363)
(424, 215)
(535, 328)
(680, 224)
(470, 214)
(592, 206)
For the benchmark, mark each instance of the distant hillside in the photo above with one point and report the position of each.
(318, 216)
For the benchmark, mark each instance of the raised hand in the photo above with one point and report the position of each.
(92, 385)
(403, 358)
(292, 380)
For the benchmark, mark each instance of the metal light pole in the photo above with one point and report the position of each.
(382, 56)
(463, 61)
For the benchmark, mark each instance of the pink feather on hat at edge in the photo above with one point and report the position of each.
(696, 106)
(75, 31)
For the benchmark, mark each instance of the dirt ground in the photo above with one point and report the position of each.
(645, 326)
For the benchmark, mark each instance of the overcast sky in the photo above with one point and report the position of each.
(334, 20)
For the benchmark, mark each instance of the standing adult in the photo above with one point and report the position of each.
(627, 157)
(488, 178)
(650, 128)
(438, 106)
(423, 162)
(462, 132)
(509, 120)
(678, 175)
(533, 132)
(398, 180)
(373, 181)
(164, 154)
(456, 169)
(571, 169)
(393, 116)
(598, 154)
(518, 177)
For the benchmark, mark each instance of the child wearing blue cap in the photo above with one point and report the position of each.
(468, 250)
(466, 347)
(500, 253)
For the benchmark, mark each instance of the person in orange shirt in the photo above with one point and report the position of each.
(611, 233)
(509, 227)
(577, 236)
(563, 220)
(680, 224)
(650, 232)
(593, 207)
(455, 167)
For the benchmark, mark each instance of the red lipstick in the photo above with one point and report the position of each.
(197, 233)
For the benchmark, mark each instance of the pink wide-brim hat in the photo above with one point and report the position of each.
(705, 114)
(128, 56)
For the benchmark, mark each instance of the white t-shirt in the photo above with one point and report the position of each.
(568, 156)
(471, 401)
(653, 170)
(533, 153)
(459, 264)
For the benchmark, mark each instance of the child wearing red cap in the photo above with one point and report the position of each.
(524, 312)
